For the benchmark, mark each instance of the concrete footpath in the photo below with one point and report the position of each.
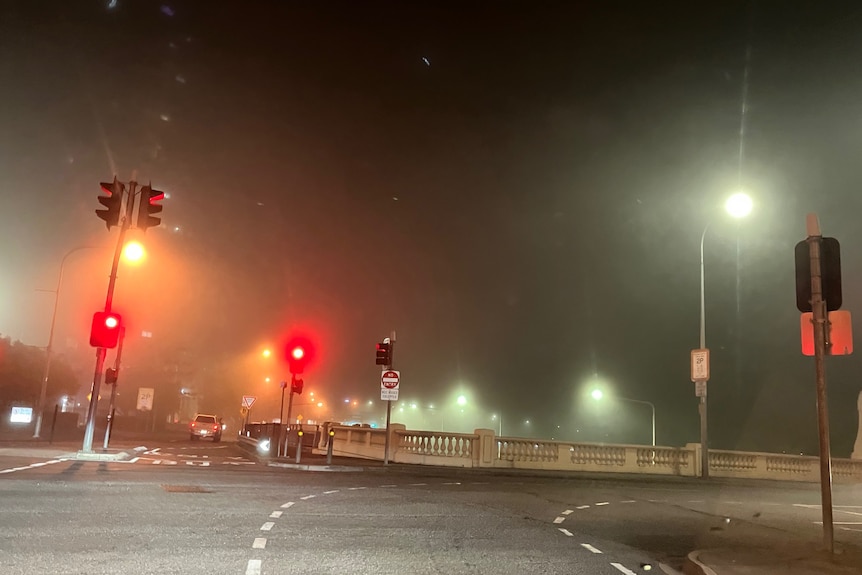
(787, 558)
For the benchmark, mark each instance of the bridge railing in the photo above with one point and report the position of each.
(484, 449)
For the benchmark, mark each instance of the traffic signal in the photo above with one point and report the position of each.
(148, 207)
(296, 359)
(105, 331)
(296, 386)
(384, 353)
(113, 201)
(111, 376)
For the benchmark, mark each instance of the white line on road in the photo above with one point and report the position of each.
(623, 569)
(331, 492)
(253, 567)
(629, 501)
(275, 514)
(417, 484)
(590, 548)
(288, 504)
(390, 485)
(453, 483)
(695, 500)
(259, 543)
(559, 520)
(567, 512)
(582, 507)
(356, 488)
(308, 497)
(565, 532)
(267, 526)
(603, 503)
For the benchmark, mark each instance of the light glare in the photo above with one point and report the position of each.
(739, 205)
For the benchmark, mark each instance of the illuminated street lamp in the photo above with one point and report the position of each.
(739, 205)
(461, 401)
(598, 394)
(266, 353)
(133, 252)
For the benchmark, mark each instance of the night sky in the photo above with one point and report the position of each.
(518, 188)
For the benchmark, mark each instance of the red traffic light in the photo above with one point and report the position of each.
(297, 353)
(105, 330)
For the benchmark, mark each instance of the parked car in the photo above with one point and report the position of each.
(204, 425)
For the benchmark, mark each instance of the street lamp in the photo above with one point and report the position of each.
(739, 205)
(48, 350)
(499, 418)
(597, 394)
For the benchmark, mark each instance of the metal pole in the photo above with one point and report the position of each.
(389, 401)
(702, 407)
(280, 420)
(110, 425)
(819, 311)
(49, 350)
(100, 351)
(299, 445)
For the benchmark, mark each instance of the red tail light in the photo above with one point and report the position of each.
(215, 427)
(193, 423)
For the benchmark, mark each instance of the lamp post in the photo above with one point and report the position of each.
(738, 205)
(498, 418)
(49, 350)
(597, 394)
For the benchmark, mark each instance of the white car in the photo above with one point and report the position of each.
(205, 426)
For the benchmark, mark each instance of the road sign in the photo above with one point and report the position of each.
(839, 333)
(700, 389)
(145, 398)
(389, 382)
(700, 365)
(248, 401)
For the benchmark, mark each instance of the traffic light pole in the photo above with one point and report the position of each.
(90, 427)
(110, 425)
(389, 401)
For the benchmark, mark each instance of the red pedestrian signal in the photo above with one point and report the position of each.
(113, 201)
(148, 207)
(105, 331)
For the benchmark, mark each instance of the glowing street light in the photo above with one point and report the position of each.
(462, 401)
(133, 252)
(266, 353)
(739, 205)
(598, 394)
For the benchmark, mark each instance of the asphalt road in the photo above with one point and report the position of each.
(193, 508)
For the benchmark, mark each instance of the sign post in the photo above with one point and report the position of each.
(389, 381)
(700, 375)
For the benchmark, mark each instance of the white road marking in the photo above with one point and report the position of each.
(259, 543)
(39, 464)
(253, 567)
(275, 514)
(567, 512)
(356, 488)
(629, 501)
(307, 497)
(132, 460)
(198, 463)
(288, 504)
(390, 485)
(590, 548)
(603, 503)
(565, 532)
(417, 484)
(559, 520)
(622, 569)
(582, 507)
(453, 483)
(330, 492)
(695, 501)
(267, 526)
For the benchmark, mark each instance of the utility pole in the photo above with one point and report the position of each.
(125, 221)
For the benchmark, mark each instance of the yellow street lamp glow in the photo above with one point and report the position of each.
(133, 251)
(739, 205)
(266, 353)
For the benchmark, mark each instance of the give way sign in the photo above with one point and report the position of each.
(389, 381)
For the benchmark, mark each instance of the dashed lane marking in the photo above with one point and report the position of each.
(582, 507)
(590, 548)
(275, 514)
(307, 497)
(622, 569)
(267, 526)
(330, 492)
(253, 567)
(259, 543)
(287, 505)
(559, 520)
(567, 512)
(565, 532)
(603, 503)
